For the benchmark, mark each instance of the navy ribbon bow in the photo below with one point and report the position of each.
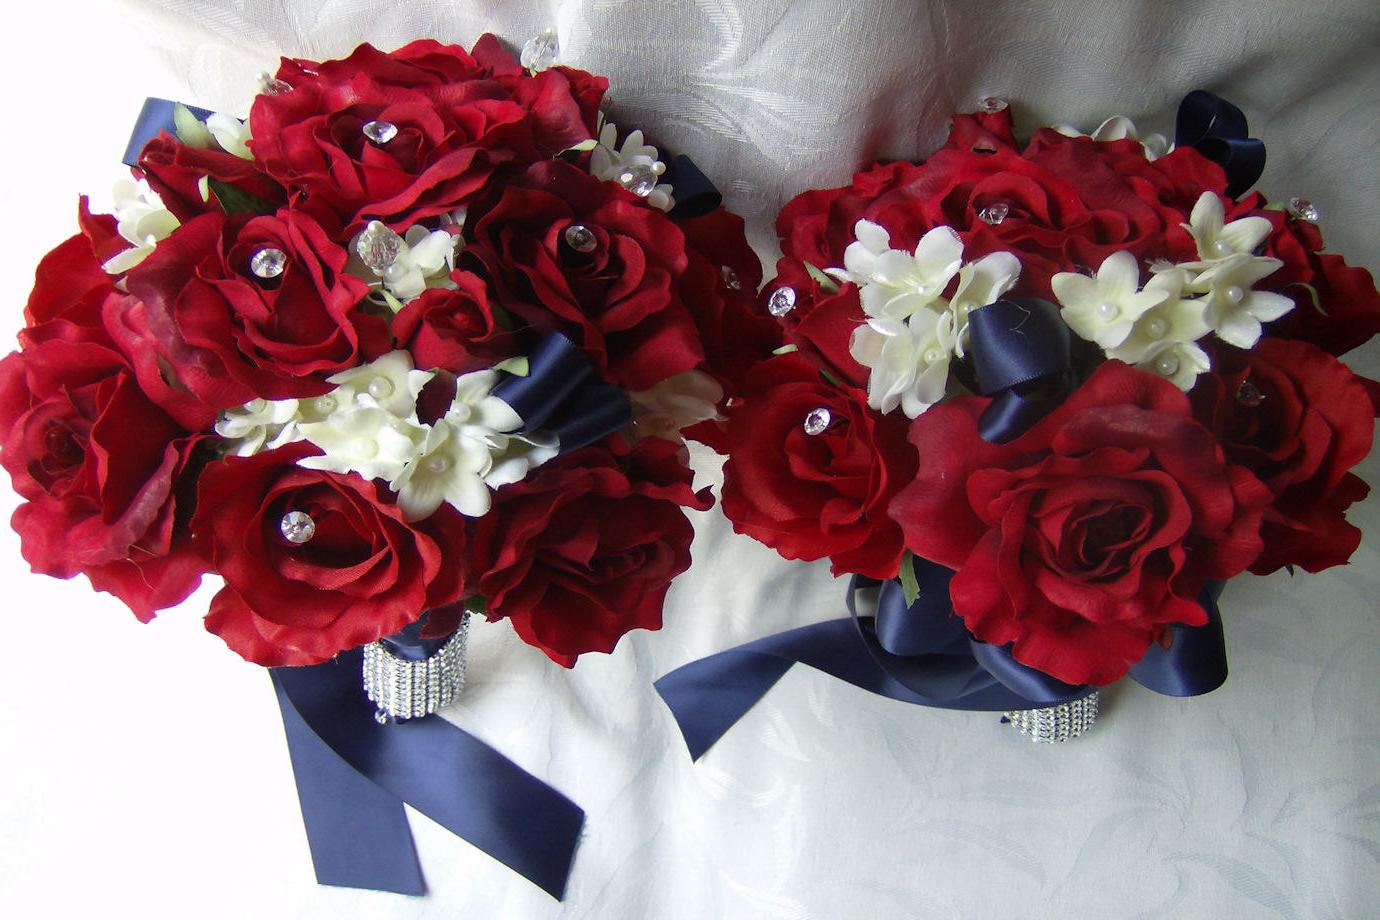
(156, 116)
(1021, 353)
(561, 394)
(1217, 129)
(353, 776)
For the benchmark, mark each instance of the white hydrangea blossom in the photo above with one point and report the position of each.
(613, 163)
(141, 219)
(912, 330)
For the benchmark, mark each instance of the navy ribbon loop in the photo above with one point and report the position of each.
(353, 776)
(1217, 129)
(695, 195)
(156, 116)
(1022, 356)
(562, 394)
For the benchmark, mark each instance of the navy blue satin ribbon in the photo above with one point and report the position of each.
(920, 653)
(155, 116)
(1021, 354)
(561, 394)
(695, 195)
(353, 776)
(407, 643)
(1217, 129)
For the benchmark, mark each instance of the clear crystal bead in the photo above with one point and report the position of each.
(540, 51)
(380, 132)
(580, 238)
(1304, 209)
(991, 104)
(297, 527)
(268, 263)
(638, 178)
(994, 213)
(270, 85)
(731, 278)
(378, 246)
(817, 421)
(1051, 724)
(781, 301)
(1249, 395)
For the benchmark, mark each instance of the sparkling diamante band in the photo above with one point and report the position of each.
(403, 689)
(1056, 723)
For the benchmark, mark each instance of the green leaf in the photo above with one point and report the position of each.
(190, 130)
(394, 303)
(581, 147)
(518, 366)
(203, 185)
(478, 605)
(784, 350)
(237, 201)
(910, 586)
(1312, 294)
(830, 378)
(826, 284)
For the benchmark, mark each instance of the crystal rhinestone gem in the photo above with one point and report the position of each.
(638, 178)
(1051, 724)
(731, 278)
(540, 51)
(1166, 365)
(991, 104)
(268, 263)
(580, 238)
(994, 213)
(297, 527)
(380, 388)
(817, 421)
(781, 301)
(1249, 395)
(272, 86)
(1304, 209)
(378, 247)
(380, 132)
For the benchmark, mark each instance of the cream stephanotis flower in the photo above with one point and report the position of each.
(389, 383)
(425, 259)
(1217, 239)
(1179, 318)
(1233, 310)
(1103, 309)
(893, 283)
(1119, 127)
(141, 219)
(674, 404)
(909, 359)
(369, 441)
(979, 284)
(636, 165)
(1178, 362)
(449, 468)
(231, 134)
(260, 424)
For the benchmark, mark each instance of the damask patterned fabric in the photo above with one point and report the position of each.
(147, 768)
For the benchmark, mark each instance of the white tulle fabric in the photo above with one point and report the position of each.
(146, 765)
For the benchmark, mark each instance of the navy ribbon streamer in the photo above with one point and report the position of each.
(1022, 357)
(353, 776)
(695, 195)
(562, 394)
(156, 116)
(1217, 129)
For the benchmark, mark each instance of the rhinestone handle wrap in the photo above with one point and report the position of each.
(1056, 723)
(403, 689)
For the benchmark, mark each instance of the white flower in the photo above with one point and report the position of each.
(894, 283)
(230, 134)
(909, 359)
(1233, 310)
(979, 284)
(425, 260)
(1103, 309)
(1119, 127)
(142, 220)
(476, 411)
(260, 424)
(449, 468)
(1177, 319)
(1178, 362)
(1217, 240)
(387, 383)
(611, 163)
(521, 453)
(676, 403)
(371, 442)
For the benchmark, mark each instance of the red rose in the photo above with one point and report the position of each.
(814, 495)
(1299, 420)
(820, 322)
(454, 122)
(455, 330)
(1337, 307)
(364, 574)
(70, 287)
(177, 173)
(1082, 540)
(99, 466)
(231, 335)
(720, 287)
(584, 549)
(619, 299)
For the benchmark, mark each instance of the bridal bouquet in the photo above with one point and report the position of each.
(413, 340)
(1051, 396)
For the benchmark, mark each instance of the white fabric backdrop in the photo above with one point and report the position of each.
(145, 769)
